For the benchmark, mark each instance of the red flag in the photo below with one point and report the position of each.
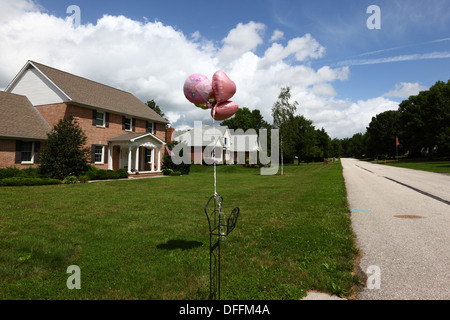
(398, 143)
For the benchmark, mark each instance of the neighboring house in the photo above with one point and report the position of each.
(230, 146)
(244, 146)
(121, 130)
(202, 140)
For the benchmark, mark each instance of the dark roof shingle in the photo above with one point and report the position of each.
(94, 94)
(19, 119)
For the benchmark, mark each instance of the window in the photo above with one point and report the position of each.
(127, 124)
(150, 127)
(148, 155)
(100, 119)
(27, 152)
(225, 141)
(98, 154)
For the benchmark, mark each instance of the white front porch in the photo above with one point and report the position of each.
(136, 153)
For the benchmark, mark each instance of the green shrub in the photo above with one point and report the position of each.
(123, 174)
(92, 173)
(24, 181)
(70, 180)
(176, 173)
(9, 172)
(83, 179)
(167, 172)
(31, 172)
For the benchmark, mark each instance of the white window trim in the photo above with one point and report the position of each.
(32, 154)
(152, 127)
(104, 119)
(103, 154)
(131, 124)
(152, 152)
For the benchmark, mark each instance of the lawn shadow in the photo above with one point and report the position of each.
(179, 244)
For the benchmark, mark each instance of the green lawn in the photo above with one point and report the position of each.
(149, 239)
(440, 166)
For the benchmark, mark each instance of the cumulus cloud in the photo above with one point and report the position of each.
(243, 38)
(405, 90)
(152, 60)
(277, 35)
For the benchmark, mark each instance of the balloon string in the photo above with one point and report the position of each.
(214, 154)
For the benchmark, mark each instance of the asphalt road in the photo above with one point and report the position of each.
(401, 218)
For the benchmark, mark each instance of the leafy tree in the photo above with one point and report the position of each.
(152, 104)
(65, 153)
(245, 119)
(183, 168)
(425, 119)
(303, 138)
(382, 131)
(283, 114)
(357, 145)
(323, 142)
(336, 149)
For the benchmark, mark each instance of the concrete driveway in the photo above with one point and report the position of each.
(401, 218)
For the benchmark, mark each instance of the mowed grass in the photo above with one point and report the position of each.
(440, 166)
(149, 238)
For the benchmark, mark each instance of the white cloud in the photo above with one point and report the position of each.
(405, 90)
(277, 35)
(243, 38)
(152, 60)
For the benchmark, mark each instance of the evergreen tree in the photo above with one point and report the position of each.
(64, 153)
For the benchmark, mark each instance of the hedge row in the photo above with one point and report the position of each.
(13, 176)
(27, 181)
(100, 174)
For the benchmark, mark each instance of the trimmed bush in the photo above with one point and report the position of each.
(9, 172)
(70, 180)
(94, 173)
(24, 181)
(123, 174)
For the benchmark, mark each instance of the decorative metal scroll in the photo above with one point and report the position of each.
(219, 229)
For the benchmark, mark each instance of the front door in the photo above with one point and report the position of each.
(123, 157)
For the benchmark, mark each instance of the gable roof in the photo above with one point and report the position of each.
(205, 134)
(96, 95)
(132, 136)
(19, 119)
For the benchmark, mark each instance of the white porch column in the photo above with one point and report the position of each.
(152, 164)
(136, 168)
(159, 159)
(129, 159)
(110, 157)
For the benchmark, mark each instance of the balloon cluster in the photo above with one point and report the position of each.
(213, 95)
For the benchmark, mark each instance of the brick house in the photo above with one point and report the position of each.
(121, 130)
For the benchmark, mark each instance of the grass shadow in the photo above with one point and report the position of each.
(179, 244)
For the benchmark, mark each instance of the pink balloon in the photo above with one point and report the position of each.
(224, 110)
(197, 88)
(223, 87)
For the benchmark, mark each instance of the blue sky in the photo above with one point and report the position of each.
(341, 72)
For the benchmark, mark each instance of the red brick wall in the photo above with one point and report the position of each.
(8, 155)
(96, 135)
